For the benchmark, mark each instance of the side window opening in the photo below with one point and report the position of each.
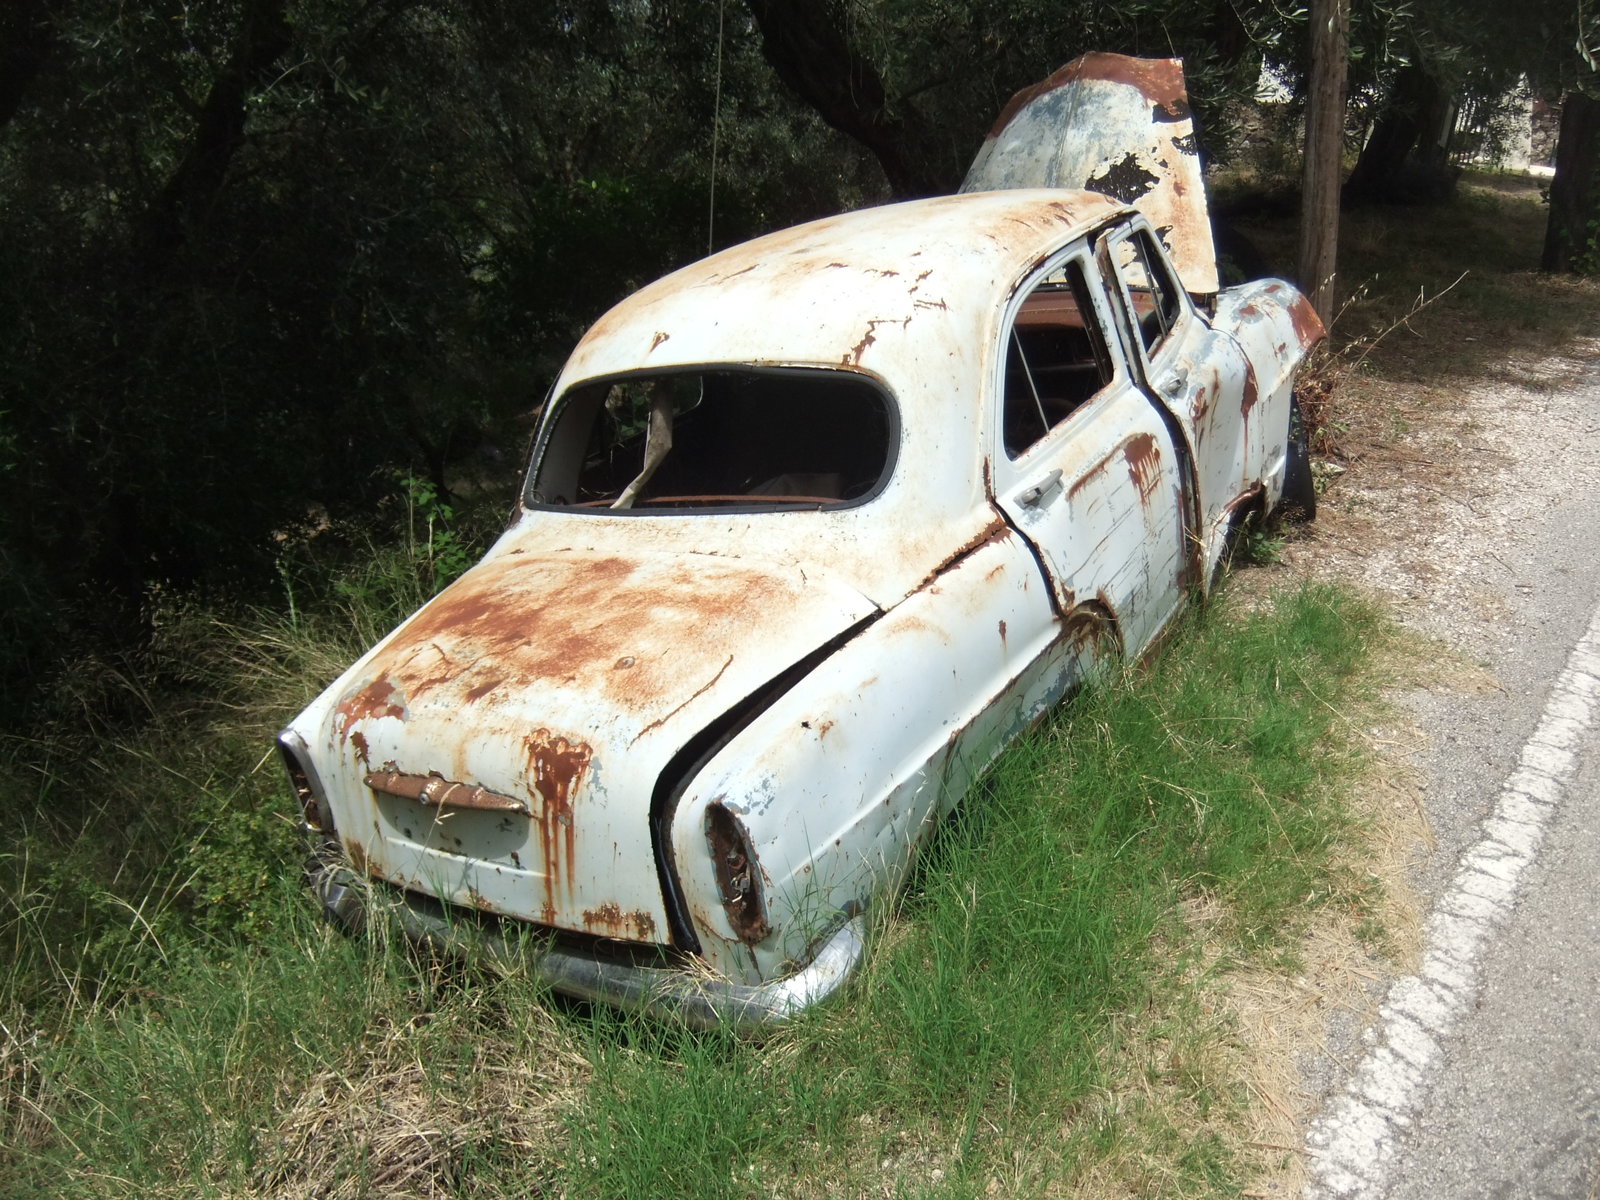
(1056, 357)
(734, 437)
(1154, 297)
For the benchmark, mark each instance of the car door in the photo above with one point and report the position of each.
(1085, 465)
(1200, 375)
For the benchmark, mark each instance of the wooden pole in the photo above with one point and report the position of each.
(1324, 153)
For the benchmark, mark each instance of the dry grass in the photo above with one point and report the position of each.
(392, 1125)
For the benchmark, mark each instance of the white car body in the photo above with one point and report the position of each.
(698, 736)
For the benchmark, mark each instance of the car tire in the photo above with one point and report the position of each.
(1299, 497)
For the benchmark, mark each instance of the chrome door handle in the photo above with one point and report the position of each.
(1039, 492)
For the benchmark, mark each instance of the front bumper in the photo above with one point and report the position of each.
(663, 991)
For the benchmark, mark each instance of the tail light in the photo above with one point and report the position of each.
(314, 810)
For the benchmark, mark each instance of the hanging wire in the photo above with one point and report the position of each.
(716, 129)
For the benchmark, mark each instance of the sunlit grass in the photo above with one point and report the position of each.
(1042, 954)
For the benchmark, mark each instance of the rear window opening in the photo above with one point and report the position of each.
(735, 437)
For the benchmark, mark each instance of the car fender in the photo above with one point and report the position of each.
(820, 803)
(1277, 328)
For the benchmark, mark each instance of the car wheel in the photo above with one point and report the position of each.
(1299, 488)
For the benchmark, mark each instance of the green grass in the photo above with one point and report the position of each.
(1043, 940)
(1035, 1018)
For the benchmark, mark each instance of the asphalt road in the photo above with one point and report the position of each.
(1481, 1075)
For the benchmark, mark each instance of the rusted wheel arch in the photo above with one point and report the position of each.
(1093, 625)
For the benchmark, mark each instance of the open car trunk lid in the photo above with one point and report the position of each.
(1119, 126)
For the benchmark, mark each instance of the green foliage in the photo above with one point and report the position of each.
(437, 544)
(262, 256)
(175, 823)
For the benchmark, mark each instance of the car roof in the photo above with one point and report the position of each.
(892, 290)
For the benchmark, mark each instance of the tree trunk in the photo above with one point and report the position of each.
(807, 44)
(1406, 159)
(1572, 235)
(1324, 153)
(264, 36)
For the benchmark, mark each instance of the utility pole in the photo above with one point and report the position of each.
(1324, 153)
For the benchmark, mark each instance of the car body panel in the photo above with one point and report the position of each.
(1275, 327)
(1100, 496)
(719, 729)
(565, 680)
(838, 781)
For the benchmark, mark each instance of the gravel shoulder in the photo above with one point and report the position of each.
(1467, 508)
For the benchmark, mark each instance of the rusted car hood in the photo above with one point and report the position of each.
(1115, 125)
(563, 681)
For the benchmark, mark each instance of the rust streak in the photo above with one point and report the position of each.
(557, 620)
(661, 336)
(609, 919)
(556, 767)
(1160, 80)
(1097, 470)
(1251, 392)
(734, 863)
(853, 355)
(1088, 628)
(995, 531)
(1144, 465)
(1307, 325)
(380, 698)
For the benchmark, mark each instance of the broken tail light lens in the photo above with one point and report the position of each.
(738, 874)
(314, 810)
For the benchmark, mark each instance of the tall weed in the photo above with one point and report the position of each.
(177, 824)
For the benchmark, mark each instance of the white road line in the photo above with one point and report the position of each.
(1355, 1140)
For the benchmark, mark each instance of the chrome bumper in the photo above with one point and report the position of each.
(668, 992)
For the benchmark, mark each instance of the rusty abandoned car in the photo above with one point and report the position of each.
(812, 528)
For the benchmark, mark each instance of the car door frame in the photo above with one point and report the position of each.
(1194, 371)
(1102, 497)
